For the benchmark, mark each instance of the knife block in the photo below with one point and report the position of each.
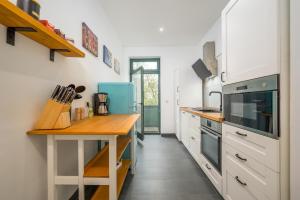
(54, 116)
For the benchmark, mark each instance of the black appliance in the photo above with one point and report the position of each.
(254, 105)
(211, 142)
(201, 69)
(101, 103)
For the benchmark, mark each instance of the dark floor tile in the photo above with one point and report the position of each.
(166, 171)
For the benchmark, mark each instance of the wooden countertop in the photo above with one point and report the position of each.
(208, 115)
(98, 125)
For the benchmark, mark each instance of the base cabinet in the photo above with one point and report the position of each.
(213, 175)
(245, 175)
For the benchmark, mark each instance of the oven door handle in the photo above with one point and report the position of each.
(209, 133)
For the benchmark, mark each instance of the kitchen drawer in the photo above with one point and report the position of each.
(195, 122)
(261, 148)
(195, 134)
(213, 175)
(261, 181)
(195, 148)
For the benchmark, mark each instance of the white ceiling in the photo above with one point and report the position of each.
(185, 21)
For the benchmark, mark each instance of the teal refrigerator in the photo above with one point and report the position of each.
(121, 100)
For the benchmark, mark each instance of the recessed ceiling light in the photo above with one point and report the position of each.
(161, 29)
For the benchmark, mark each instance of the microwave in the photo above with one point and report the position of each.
(253, 105)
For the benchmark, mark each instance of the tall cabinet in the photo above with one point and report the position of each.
(251, 39)
(255, 43)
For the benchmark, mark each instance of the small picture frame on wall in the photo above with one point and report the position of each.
(107, 56)
(89, 40)
(117, 66)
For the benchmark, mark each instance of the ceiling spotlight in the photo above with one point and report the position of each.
(161, 29)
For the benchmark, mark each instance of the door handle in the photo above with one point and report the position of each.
(240, 182)
(208, 167)
(239, 157)
(222, 73)
(241, 134)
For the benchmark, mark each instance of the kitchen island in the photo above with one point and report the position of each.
(106, 169)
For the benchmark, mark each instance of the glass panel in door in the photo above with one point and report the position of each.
(137, 79)
(151, 103)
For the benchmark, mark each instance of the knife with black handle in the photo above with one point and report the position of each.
(61, 97)
(55, 91)
(70, 100)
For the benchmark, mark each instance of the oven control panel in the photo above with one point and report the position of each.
(213, 125)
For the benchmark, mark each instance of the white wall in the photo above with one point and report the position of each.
(295, 99)
(27, 78)
(171, 58)
(214, 84)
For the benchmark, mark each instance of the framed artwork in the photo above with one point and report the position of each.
(107, 56)
(89, 40)
(117, 66)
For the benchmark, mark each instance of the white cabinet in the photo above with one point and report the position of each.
(187, 93)
(190, 133)
(213, 175)
(185, 116)
(250, 165)
(251, 39)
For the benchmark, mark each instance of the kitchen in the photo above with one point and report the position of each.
(227, 95)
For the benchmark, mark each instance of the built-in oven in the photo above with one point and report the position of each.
(211, 142)
(254, 105)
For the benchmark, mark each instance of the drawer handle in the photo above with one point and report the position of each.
(240, 182)
(193, 116)
(208, 167)
(239, 157)
(241, 134)
(193, 138)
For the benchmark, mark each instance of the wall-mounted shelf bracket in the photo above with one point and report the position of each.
(11, 33)
(52, 53)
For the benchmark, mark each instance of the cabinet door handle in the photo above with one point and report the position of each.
(239, 157)
(222, 73)
(241, 134)
(240, 182)
(208, 167)
(193, 138)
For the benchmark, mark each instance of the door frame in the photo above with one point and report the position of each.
(145, 71)
(142, 96)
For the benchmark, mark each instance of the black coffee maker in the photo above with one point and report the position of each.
(101, 103)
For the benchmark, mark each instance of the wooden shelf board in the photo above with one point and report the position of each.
(98, 166)
(12, 16)
(103, 191)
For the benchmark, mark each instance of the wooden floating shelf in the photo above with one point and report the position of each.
(99, 165)
(17, 20)
(103, 191)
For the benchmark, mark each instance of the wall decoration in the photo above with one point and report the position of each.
(89, 40)
(117, 66)
(107, 56)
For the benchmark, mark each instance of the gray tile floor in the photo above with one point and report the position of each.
(166, 171)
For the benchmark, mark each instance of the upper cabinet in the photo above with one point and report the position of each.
(250, 40)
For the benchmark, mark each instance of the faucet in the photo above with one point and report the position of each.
(221, 99)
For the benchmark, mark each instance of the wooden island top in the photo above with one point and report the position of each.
(208, 115)
(119, 124)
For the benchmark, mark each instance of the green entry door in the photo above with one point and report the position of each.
(151, 92)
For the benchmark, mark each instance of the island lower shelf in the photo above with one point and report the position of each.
(102, 192)
(98, 167)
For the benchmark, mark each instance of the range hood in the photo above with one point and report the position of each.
(208, 67)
